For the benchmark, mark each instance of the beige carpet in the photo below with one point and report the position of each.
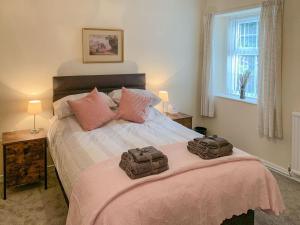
(291, 194)
(33, 205)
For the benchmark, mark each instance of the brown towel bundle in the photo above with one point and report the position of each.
(142, 155)
(138, 163)
(210, 147)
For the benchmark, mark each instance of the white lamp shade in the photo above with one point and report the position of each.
(34, 107)
(164, 96)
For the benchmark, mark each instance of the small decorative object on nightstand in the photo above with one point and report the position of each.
(24, 158)
(34, 107)
(183, 119)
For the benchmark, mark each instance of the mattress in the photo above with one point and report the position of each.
(73, 150)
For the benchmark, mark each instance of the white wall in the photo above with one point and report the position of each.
(238, 121)
(40, 39)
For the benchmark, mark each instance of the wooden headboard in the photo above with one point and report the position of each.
(69, 85)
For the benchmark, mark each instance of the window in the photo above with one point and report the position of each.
(236, 51)
(243, 55)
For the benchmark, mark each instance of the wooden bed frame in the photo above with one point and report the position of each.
(69, 85)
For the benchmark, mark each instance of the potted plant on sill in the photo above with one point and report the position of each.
(243, 83)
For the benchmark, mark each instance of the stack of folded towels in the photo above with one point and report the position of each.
(210, 147)
(142, 162)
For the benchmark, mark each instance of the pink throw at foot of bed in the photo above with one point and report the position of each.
(192, 191)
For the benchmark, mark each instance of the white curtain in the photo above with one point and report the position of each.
(269, 99)
(207, 98)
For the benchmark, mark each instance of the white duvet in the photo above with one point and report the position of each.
(73, 149)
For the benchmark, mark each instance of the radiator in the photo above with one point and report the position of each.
(296, 144)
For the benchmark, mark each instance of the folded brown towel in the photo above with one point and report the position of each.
(153, 172)
(127, 161)
(147, 165)
(144, 154)
(213, 141)
(210, 148)
(221, 141)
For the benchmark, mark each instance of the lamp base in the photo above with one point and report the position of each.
(35, 131)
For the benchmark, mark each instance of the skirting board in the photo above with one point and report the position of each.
(280, 170)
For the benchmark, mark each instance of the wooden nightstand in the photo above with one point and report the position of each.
(183, 119)
(24, 158)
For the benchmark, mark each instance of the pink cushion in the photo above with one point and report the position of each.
(91, 111)
(133, 106)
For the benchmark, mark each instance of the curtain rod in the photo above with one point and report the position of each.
(252, 6)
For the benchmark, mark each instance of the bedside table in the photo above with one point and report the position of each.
(24, 158)
(183, 119)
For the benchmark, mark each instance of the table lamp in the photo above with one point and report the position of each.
(164, 96)
(34, 107)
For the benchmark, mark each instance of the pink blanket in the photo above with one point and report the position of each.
(192, 191)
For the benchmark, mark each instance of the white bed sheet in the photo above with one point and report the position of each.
(73, 150)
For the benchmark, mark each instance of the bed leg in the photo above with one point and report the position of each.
(62, 188)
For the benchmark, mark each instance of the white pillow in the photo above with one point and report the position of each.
(116, 95)
(62, 108)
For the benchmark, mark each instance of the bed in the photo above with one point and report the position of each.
(73, 150)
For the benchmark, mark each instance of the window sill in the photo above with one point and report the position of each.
(235, 98)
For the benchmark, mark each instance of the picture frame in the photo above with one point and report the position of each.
(102, 45)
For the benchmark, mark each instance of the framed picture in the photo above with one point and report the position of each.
(102, 45)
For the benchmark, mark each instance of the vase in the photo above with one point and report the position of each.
(242, 93)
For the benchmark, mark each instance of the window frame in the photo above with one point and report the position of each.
(234, 50)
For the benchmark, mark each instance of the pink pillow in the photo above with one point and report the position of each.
(133, 106)
(91, 111)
